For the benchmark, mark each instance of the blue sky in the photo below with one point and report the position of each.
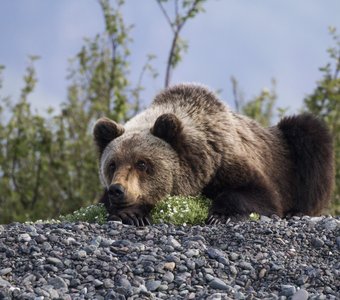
(253, 40)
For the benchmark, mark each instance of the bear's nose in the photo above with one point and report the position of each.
(117, 191)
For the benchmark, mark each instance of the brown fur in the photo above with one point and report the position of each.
(191, 143)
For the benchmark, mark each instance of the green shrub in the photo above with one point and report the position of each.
(177, 210)
(91, 214)
(181, 210)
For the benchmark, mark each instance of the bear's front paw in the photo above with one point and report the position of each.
(216, 219)
(130, 219)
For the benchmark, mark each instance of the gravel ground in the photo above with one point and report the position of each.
(268, 259)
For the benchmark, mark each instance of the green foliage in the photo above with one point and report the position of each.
(91, 214)
(48, 164)
(261, 107)
(183, 11)
(325, 103)
(179, 210)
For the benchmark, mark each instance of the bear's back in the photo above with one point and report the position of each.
(193, 104)
(189, 98)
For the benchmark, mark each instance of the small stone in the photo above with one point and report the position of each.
(338, 241)
(218, 284)
(302, 280)
(265, 219)
(287, 290)
(191, 264)
(54, 261)
(246, 265)
(223, 260)
(317, 243)
(81, 254)
(233, 256)
(124, 283)
(108, 283)
(331, 224)
(233, 270)
(192, 252)
(169, 266)
(29, 279)
(168, 277)
(163, 287)
(152, 285)
(300, 295)
(5, 271)
(215, 253)
(209, 277)
(174, 243)
(97, 283)
(4, 283)
(262, 273)
(58, 283)
(25, 237)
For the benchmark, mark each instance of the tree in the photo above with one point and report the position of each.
(259, 108)
(48, 164)
(182, 13)
(325, 103)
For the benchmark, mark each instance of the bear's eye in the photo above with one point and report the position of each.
(112, 167)
(141, 165)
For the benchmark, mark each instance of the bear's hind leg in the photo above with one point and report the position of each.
(238, 204)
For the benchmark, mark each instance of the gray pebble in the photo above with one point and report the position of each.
(54, 261)
(152, 285)
(338, 241)
(317, 243)
(108, 283)
(255, 260)
(174, 243)
(300, 295)
(218, 284)
(5, 271)
(25, 237)
(168, 277)
(57, 283)
(287, 290)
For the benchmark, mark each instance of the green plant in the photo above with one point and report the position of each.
(179, 210)
(91, 214)
(325, 103)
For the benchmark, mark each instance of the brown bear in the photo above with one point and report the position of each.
(189, 143)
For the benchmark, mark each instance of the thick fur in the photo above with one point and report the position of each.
(190, 143)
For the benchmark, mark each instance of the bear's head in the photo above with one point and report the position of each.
(138, 167)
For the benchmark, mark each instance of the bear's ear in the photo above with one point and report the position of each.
(168, 128)
(105, 131)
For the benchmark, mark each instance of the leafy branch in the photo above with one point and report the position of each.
(189, 9)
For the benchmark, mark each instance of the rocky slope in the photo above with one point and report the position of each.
(268, 259)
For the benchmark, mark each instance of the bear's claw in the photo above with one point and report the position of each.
(216, 219)
(130, 219)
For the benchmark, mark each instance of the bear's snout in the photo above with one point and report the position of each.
(116, 192)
